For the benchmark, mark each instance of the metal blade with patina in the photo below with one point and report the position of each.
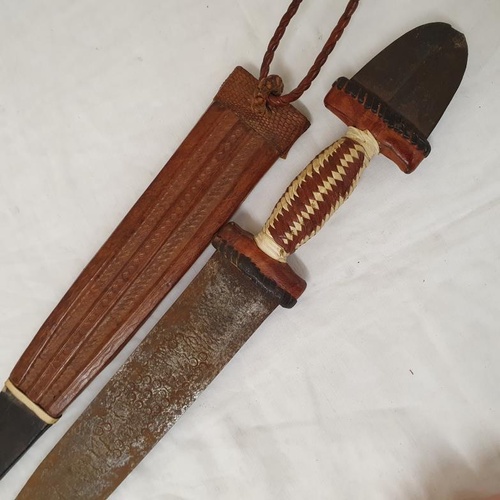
(248, 277)
(183, 353)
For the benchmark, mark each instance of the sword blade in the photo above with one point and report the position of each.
(185, 351)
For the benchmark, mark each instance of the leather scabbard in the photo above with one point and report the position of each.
(207, 178)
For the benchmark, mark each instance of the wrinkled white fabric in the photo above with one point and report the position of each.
(383, 382)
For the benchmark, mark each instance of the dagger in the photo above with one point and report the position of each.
(391, 107)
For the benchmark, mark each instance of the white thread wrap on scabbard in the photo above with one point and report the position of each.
(21, 397)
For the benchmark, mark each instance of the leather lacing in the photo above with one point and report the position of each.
(270, 87)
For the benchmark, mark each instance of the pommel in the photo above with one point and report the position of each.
(399, 140)
(278, 278)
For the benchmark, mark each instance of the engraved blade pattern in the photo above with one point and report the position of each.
(186, 350)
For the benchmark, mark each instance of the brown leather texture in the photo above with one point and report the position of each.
(280, 126)
(398, 139)
(203, 183)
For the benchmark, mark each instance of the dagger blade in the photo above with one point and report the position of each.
(184, 352)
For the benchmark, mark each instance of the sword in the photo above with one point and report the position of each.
(248, 277)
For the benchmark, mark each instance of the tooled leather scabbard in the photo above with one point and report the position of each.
(207, 178)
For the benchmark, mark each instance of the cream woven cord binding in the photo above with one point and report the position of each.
(365, 143)
(266, 243)
(364, 138)
(39, 412)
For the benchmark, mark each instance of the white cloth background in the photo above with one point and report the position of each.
(384, 381)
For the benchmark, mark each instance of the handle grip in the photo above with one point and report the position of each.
(316, 193)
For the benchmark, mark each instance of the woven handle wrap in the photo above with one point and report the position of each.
(316, 193)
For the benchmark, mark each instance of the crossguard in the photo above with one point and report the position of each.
(316, 193)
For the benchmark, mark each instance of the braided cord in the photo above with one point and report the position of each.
(277, 100)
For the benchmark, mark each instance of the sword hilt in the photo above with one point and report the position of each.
(316, 193)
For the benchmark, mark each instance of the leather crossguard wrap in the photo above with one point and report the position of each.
(316, 193)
